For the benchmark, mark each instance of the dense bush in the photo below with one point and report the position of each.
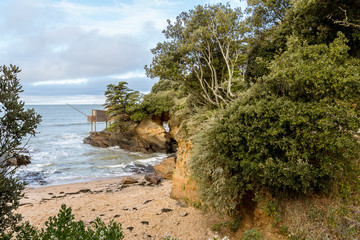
(63, 227)
(157, 104)
(294, 132)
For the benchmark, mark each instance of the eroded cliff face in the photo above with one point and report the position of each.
(148, 136)
(183, 186)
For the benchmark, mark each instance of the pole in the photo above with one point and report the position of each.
(77, 109)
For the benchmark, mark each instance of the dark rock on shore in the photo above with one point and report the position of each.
(139, 168)
(153, 178)
(129, 180)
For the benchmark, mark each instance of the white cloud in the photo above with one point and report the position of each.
(62, 82)
(129, 75)
(81, 46)
(50, 100)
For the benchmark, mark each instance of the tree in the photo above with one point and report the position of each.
(204, 51)
(15, 124)
(316, 22)
(120, 100)
(292, 132)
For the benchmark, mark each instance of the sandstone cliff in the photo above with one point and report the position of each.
(148, 136)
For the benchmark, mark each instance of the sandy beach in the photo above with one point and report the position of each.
(145, 212)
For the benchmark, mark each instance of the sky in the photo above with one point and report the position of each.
(70, 50)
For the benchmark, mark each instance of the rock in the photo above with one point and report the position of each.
(116, 216)
(148, 136)
(129, 180)
(147, 201)
(130, 228)
(86, 190)
(181, 202)
(183, 185)
(153, 179)
(165, 168)
(139, 168)
(183, 214)
(145, 222)
(165, 210)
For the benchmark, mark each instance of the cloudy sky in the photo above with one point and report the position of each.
(69, 50)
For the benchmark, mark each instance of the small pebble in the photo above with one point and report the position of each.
(183, 214)
(164, 210)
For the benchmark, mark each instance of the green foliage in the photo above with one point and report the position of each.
(316, 22)
(272, 210)
(15, 124)
(10, 194)
(344, 222)
(158, 103)
(204, 53)
(120, 100)
(294, 132)
(64, 227)
(252, 234)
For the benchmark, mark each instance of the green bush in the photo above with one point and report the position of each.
(63, 227)
(252, 234)
(157, 104)
(293, 133)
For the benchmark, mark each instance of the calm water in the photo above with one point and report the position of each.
(58, 154)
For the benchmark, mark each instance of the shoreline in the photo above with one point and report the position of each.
(145, 211)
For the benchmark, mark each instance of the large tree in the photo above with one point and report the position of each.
(317, 22)
(15, 124)
(204, 51)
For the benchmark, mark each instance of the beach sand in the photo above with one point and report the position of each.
(145, 212)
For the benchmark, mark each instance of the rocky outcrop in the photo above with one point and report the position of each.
(129, 180)
(165, 168)
(148, 136)
(183, 186)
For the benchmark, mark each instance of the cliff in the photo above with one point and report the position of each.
(148, 136)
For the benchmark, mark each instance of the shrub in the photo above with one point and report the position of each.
(64, 227)
(293, 133)
(252, 234)
(157, 104)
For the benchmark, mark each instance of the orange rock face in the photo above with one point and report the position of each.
(183, 186)
(148, 136)
(165, 168)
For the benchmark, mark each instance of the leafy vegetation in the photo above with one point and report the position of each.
(204, 53)
(63, 226)
(252, 234)
(286, 119)
(15, 124)
(294, 132)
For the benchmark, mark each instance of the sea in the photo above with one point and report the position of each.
(59, 156)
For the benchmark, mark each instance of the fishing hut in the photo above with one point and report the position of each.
(96, 116)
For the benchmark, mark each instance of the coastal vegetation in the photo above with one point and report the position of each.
(270, 102)
(271, 106)
(16, 124)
